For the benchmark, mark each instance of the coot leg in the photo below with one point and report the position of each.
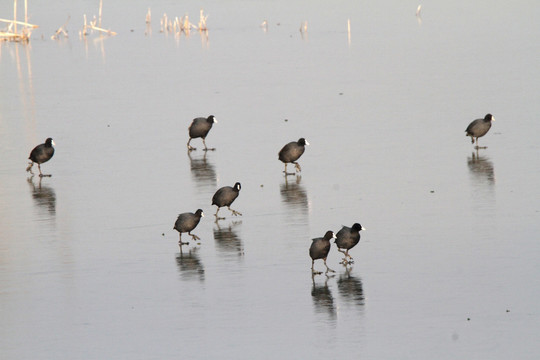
(189, 146)
(327, 268)
(206, 148)
(180, 242)
(344, 260)
(217, 217)
(234, 212)
(41, 174)
(285, 171)
(478, 146)
(313, 270)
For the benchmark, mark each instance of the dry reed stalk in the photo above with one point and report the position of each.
(176, 25)
(202, 21)
(84, 30)
(148, 16)
(303, 26)
(15, 15)
(20, 23)
(106, 31)
(419, 14)
(186, 25)
(100, 12)
(349, 31)
(163, 23)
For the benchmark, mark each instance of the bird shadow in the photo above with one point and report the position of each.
(227, 239)
(44, 195)
(203, 170)
(189, 265)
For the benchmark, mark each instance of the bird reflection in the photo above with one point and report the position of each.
(227, 239)
(481, 168)
(350, 287)
(189, 265)
(322, 297)
(43, 195)
(294, 195)
(202, 171)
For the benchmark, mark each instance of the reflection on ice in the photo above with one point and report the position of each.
(294, 195)
(202, 171)
(190, 265)
(481, 168)
(323, 300)
(350, 287)
(227, 239)
(43, 195)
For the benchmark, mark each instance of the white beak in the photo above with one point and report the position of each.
(52, 142)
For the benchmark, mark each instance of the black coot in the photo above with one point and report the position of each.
(225, 197)
(186, 222)
(347, 238)
(199, 128)
(319, 249)
(479, 128)
(40, 154)
(292, 152)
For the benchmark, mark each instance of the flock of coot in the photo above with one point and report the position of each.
(345, 239)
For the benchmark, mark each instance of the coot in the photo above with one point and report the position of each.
(319, 249)
(225, 197)
(347, 238)
(40, 154)
(199, 128)
(292, 152)
(479, 128)
(186, 222)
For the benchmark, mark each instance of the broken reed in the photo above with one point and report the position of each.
(12, 33)
(95, 24)
(180, 25)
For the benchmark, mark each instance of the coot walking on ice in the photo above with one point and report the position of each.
(225, 197)
(479, 128)
(40, 154)
(347, 238)
(199, 128)
(186, 222)
(292, 152)
(319, 249)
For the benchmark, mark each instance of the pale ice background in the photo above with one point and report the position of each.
(447, 269)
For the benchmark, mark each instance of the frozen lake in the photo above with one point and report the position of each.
(447, 269)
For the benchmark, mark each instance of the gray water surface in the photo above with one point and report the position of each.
(448, 267)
